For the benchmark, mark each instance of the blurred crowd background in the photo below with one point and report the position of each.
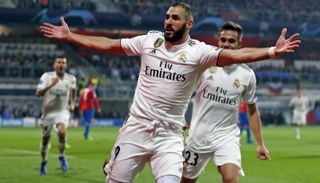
(25, 54)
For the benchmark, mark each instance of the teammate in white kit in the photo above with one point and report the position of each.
(300, 104)
(171, 64)
(58, 89)
(214, 133)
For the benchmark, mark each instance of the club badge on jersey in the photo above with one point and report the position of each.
(236, 83)
(182, 57)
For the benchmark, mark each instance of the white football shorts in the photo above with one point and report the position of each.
(139, 142)
(195, 162)
(299, 118)
(50, 121)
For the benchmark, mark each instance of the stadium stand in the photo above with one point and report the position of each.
(25, 55)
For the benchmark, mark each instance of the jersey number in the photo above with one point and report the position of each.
(191, 158)
(116, 152)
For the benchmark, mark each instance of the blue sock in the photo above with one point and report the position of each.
(87, 131)
(248, 135)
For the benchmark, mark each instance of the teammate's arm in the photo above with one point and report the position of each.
(245, 55)
(96, 103)
(291, 103)
(255, 125)
(97, 43)
(41, 92)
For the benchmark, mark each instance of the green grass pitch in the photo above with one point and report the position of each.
(293, 161)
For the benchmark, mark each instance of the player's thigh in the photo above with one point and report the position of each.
(130, 153)
(88, 115)
(194, 163)
(299, 119)
(229, 172)
(47, 125)
(229, 153)
(167, 156)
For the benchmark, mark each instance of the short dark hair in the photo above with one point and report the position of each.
(186, 7)
(232, 26)
(59, 57)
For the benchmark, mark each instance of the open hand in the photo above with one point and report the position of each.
(56, 32)
(284, 45)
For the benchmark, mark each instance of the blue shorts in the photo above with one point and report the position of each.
(243, 119)
(88, 115)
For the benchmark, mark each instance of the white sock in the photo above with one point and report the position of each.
(62, 146)
(297, 131)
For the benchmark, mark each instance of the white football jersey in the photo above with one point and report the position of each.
(56, 99)
(300, 104)
(216, 105)
(168, 75)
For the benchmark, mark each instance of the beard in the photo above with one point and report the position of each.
(177, 35)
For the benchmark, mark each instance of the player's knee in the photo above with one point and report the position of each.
(168, 179)
(185, 180)
(62, 139)
(230, 179)
(45, 139)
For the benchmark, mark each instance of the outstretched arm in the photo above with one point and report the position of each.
(245, 55)
(255, 125)
(97, 43)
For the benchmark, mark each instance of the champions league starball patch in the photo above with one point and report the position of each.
(236, 83)
(158, 43)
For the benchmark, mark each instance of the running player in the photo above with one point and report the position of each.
(171, 64)
(244, 122)
(58, 89)
(214, 133)
(88, 103)
(300, 104)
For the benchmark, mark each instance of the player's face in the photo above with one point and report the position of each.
(229, 39)
(299, 93)
(175, 24)
(60, 65)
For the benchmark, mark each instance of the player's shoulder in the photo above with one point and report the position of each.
(155, 33)
(70, 76)
(48, 74)
(245, 68)
(195, 42)
(200, 46)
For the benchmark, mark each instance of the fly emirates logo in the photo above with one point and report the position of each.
(165, 72)
(219, 96)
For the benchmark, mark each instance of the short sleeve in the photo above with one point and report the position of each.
(208, 55)
(43, 82)
(133, 46)
(73, 82)
(249, 95)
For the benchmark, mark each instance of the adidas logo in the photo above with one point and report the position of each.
(153, 51)
(210, 78)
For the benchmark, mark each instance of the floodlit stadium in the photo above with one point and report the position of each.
(26, 54)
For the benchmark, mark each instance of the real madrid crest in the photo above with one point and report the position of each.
(213, 69)
(158, 43)
(182, 57)
(236, 83)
